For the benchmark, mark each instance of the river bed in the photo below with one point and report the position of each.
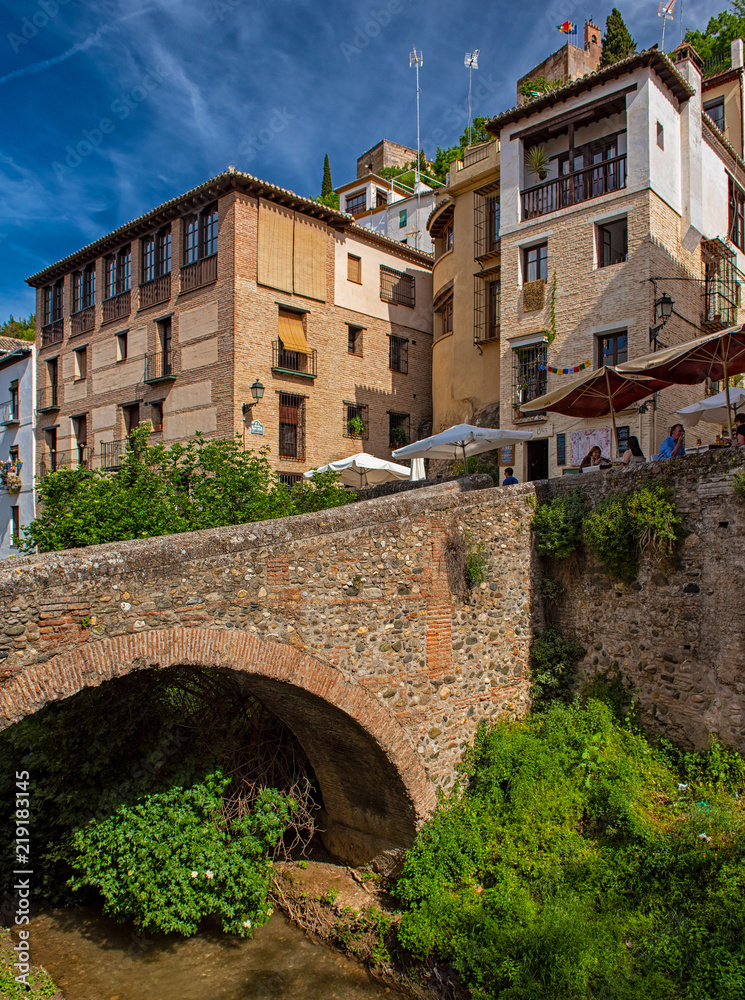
(91, 957)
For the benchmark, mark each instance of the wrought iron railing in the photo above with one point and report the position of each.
(716, 64)
(476, 153)
(52, 333)
(200, 272)
(75, 458)
(9, 412)
(111, 453)
(49, 398)
(159, 366)
(396, 286)
(157, 290)
(293, 361)
(573, 189)
(83, 321)
(117, 306)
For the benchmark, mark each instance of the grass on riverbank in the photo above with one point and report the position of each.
(40, 983)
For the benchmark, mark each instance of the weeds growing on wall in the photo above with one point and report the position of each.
(738, 483)
(477, 563)
(553, 664)
(579, 862)
(557, 524)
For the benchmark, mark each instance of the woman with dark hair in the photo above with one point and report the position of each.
(593, 457)
(633, 454)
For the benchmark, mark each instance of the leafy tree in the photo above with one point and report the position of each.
(617, 43)
(329, 200)
(160, 491)
(326, 186)
(539, 85)
(722, 29)
(21, 329)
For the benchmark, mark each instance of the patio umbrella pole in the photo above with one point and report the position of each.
(465, 457)
(614, 444)
(729, 408)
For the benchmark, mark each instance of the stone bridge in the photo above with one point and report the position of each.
(351, 625)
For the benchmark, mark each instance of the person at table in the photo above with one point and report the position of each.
(509, 478)
(593, 457)
(673, 446)
(740, 429)
(633, 454)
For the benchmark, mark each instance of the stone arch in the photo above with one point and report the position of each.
(376, 792)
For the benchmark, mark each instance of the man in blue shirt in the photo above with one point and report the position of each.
(673, 447)
(509, 479)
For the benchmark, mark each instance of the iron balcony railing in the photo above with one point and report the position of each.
(116, 306)
(49, 398)
(296, 362)
(159, 366)
(9, 412)
(200, 272)
(112, 452)
(475, 154)
(76, 458)
(52, 333)
(716, 64)
(573, 189)
(396, 286)
(83, 321)
(157, 290)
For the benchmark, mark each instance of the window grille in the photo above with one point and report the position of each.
(487, 305)
(290, 479)
(721, 292)
(353, 413)
(291, 426)
(398, 354)
(399, 431)
(486, 220)
(395, 286)
(293, 361)
(529, 379)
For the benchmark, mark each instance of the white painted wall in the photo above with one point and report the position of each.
(386, 221)
(365, 298)
(23, 436)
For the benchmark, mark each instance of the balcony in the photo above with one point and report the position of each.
(155, 291)
(201, 272)
(52, 333)
(111, 453)
(83, 321)
(116, 307)
(9, 413)
(293, 362)
(573, 189)
(49, 398)
(77, 458)
(716, 64)
(159, 367)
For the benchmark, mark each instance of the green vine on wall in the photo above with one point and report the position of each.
(551, 334)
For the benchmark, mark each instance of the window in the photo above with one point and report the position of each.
(156, 255)
(402, 217)
(721, 288)
(529, 375)
(291, 426)
(156, 415)
(14, 407)
(736, 230)
(447, 238)
(561, 449)
(84, 288)
(80, 433)
(14, 454)
(121, 346)
(622, 436)
(612, 245)
(357, 203)
(291, 352)
(398, 429)
(660, 135)
(487, 304)
(715, 111)
(354, 268)
(200, 235)
(53, 372)
(290, 479)
(535, 263)
(15, 525)
(354, 340)
(398, 354)
(80, 357)
(486, 220)
(165, 333)
(54, 303)
(447, 317)
(356, 420)
(613, 348)
(381, 198)
(131, 415)
(118, 272)
(395, 286)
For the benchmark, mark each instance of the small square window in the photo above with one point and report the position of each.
(156, 415)
(613, 348)
(354, 340)
(121, 346)
(612, 247)
(535, 263)
(715, 111)
(447, 317)
(402, 218)
(356, 420)
(660, 135)
(354, 268)
(81, 363)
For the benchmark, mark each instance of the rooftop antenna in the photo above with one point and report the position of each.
(471, 63)
(416, 59)
(665, 11)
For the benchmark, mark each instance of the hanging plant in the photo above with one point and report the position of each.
(356, 425)
(551, 334)
(537, 161)
(12, 482)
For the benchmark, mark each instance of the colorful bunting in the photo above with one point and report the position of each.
(566, 371)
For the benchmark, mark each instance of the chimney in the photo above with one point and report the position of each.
(593, 43)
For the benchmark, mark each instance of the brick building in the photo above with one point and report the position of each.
(172, 317)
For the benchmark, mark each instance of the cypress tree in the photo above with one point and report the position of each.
(326, 187)
(618, 43)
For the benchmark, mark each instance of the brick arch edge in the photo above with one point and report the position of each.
(106, 659)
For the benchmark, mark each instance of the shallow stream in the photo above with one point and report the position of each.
(93, 958)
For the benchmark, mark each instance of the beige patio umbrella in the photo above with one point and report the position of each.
(595, 394)
(716, 356)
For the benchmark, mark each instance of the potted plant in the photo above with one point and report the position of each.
(399, 438)
(537, 162)
(356, 425)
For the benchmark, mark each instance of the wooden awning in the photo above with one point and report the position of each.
(292, 334)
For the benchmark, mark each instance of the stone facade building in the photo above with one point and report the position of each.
(568, 62)
(172, 317)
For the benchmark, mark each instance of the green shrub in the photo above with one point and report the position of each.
(477, 563)
(738, 483)
(553, 661)
(608, 533)
(557, 524)
(654, 519)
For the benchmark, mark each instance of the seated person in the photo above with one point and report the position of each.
(672, 446)
(633, 454)
(594, 457)
(509, 477)
(740, 429)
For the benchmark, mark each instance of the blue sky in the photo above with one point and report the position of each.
(111, 107)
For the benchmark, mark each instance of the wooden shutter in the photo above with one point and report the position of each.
(275, 245)
(309, 259)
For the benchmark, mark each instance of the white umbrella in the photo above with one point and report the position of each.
(417, 470)
(713, 409)
(364, 470)
(462, 437)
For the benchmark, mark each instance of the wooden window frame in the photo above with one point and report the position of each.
(354, 268)
(540, 262)
(613, 358)
(353, 203)
(605, 254)
(355, 342)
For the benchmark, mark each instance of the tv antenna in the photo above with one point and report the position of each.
(416, 60)
(665, 11)
(471, 62)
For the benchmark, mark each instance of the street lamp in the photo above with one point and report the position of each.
(663, 310)
(257, 391)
